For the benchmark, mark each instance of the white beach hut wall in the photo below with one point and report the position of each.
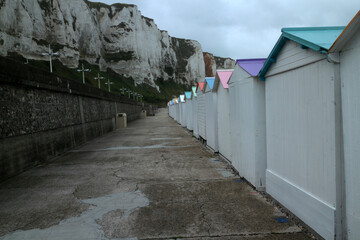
(223, 112)
(211, 115)
(302, 118)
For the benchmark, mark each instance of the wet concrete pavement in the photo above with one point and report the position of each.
(152, 180)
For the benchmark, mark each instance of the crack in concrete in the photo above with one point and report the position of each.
(203, 215)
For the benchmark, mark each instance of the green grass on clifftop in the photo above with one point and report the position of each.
(168, 89)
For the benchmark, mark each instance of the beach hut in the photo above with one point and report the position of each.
(195, 111)
(223, 111)
(247, 105)
(346, 51)
(177, 110)
(170, 109)
(189, 112)
(183, 112)
(211, 115)
(201, 114)
(303, 142)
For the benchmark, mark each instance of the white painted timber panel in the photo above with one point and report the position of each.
(189, 111)
(223, 115)
(171, 111)
(180, 113)
(291, 56)
(317, 214)
(234, 124)
(301, 137)
(234, 99)
(350, 80)
(184, 114)
(211, 121)
(195, 118)
(251, 159)
(201, 115)
(177, 112)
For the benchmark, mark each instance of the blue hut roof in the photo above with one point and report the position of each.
(318, 39)
(210, 81)
(188, 95)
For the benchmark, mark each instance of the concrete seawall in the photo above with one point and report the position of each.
(43, 115)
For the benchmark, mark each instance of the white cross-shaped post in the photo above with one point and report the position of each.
(109, 83)
(98, 78)
(83, 72)
(123, 91)
(50, 54)
(129, 91)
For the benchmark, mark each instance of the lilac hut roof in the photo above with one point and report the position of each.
(251, 66)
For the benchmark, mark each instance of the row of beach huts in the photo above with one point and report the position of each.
(290, 124)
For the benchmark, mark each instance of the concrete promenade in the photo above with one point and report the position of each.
(152, 180)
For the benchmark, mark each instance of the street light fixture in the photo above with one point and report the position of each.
(98, 78)
(50, 54)
(83, 72)
(109, 83)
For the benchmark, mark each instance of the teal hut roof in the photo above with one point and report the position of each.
(319, 39)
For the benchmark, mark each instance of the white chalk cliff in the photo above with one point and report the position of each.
(116, 37)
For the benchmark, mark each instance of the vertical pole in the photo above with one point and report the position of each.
(50, 59)
(99, 80)
(83, 74)
(109, 84)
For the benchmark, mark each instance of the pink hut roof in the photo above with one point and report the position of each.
(251, 66)
(224, 77)
(201, 85)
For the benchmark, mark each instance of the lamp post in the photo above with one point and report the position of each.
(83, 72)
(50, 54)
(98, 78)
(109, 83)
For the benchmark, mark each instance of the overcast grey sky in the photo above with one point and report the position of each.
(241, 28)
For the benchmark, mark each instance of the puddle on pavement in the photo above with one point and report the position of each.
(85, 227)
(225, 173)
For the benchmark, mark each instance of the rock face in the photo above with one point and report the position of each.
(212, 63)
(116, 37)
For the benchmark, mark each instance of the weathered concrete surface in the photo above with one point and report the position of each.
(149, 181)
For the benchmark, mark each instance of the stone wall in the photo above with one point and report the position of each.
(43, 116)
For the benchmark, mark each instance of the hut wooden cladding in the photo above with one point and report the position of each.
(290, 124)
